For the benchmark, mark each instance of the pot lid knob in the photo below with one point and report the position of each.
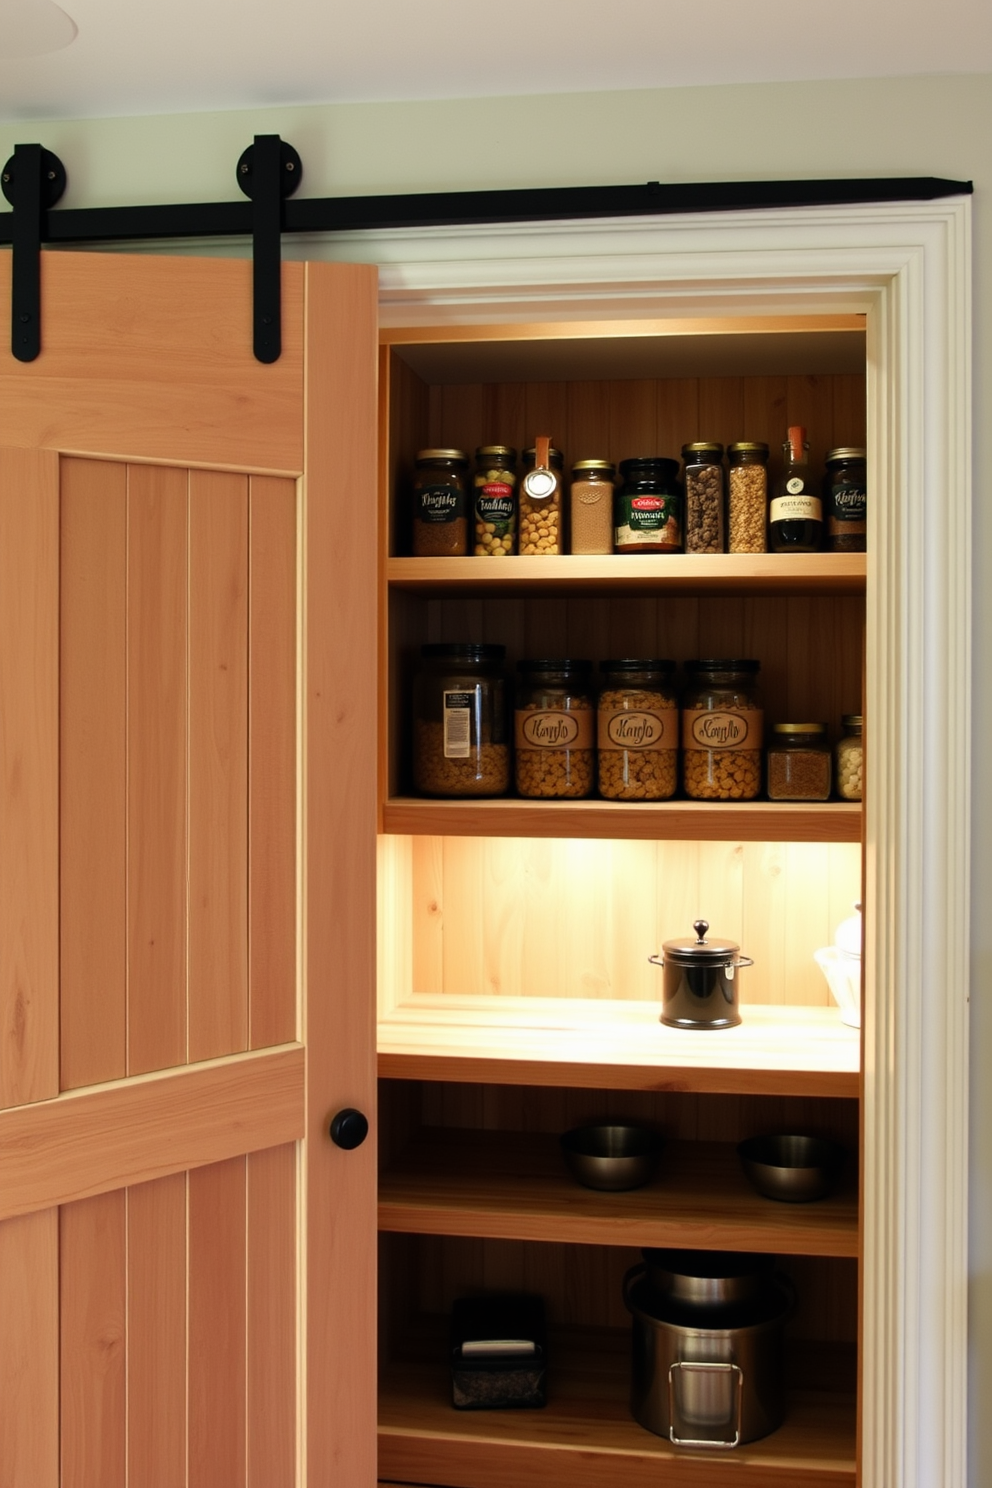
(700, 927)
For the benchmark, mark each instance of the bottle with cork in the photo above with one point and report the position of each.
(795, 516)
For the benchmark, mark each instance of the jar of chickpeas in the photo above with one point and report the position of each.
(494, 510)
(722, 731)
(554, 739)
(540, 515)
(850, 758)
(637, 731)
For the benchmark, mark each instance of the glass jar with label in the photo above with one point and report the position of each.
(722, 731)
(539, 519)
(703, 497)
(747, 497)
(795, 514)
(850, 758)
(846, 493)
(554, 743)
(460, 746)
(637, 731)
(494, 510)
(647, 509)
(799, 762)
(591, 506)
(440, 504)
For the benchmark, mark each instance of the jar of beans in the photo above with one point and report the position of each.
(495, 501)
(440, 504)
(703, 477)
(637, 733)
(800, 762)
(849, 758)
(846, 500)
(540, 506)
(554, 740)
(747, 497)
(460, 746)
(721, 731)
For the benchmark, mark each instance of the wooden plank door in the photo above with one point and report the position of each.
(187, 652)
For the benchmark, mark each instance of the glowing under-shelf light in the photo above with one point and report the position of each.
(32, 28)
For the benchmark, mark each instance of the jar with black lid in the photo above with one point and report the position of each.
(539, 519)
(846, 493)
(554, 741)
(494, 509)
(703, 497)
(747, 497)
(721, 731)
(440, 504)
(647, 509)
(637, 731)
(460, 746)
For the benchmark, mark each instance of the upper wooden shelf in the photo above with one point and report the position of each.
(676, 573)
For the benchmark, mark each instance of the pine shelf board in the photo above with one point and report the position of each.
(616, 1045)
(514, 1186)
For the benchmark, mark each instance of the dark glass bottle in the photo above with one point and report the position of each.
(795, 517)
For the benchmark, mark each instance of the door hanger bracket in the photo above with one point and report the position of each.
(268, 172)
(32, 181)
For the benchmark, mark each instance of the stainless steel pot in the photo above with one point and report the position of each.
(706, 1278)
(700, 987)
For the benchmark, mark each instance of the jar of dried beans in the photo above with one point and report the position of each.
(495, 501)
(554, 729)
(638, 732)
(540, 505)
(850, 758)
(703, 479)
(799, 762)
(721, 731)
(747, 497)
(440, 504)
(460, 746)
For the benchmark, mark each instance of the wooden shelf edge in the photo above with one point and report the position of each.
(558, 330)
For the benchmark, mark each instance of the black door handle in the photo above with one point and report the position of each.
(349, 1128)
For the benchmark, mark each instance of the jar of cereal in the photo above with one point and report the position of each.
(638, 731)
(553, 734)
(747, 496)
(459, 722)
(495, 501)
(849, 756)
(722, 731)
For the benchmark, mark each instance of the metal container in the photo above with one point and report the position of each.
(612, 1156)
(706, 1278)
(792, 1169)
(700, 988)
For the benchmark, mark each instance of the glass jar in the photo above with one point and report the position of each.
(494, 510)
(459, 722)
(850, 758)
(440, 504)
(540, 505)
(703, 478)
(647, 509)
(846, 499)
(721, 731)
(800, 762)
(591, 506)
(637, 731)
(747, 497)
(553, 734)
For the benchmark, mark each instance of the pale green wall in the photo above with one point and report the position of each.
(917, 126)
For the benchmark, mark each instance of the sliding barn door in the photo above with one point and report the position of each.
(186, 881)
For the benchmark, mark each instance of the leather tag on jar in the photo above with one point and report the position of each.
(722, 728)
(633, 729)
(554, 728)
(541, 482)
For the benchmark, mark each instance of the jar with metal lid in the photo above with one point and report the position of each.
(647, 509)
(701, 986)
(800, 762)
(494, 510)
(637, 731)
(440, 504)
(845, 493)
(553, 735)
(591, 506)
(703, 477)
(460, 746)
(747, 497)
(721, 731)
(849, 758)
(540, 505)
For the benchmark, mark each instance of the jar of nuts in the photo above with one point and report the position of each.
(849, 757)
(638, 731)
(540, 515)
(459, 722)
(703, 478)
(721, 731)
(553, 734)
(440, 504)
(799, 762)
(647, 509)
(747, 497)
(495, 504)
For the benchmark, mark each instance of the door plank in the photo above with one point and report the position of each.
(93, 1310)
(29, 1358)
(272, 1351)
(29, 825)
(216, 1293)
(156, 1333)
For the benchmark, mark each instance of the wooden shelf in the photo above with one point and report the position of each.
(614, 1045)
(586, 1437)
(514, 1186)
(672, 821)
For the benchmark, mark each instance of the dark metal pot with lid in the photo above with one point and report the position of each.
(701, 985)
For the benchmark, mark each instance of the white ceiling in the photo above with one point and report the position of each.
(140, 57)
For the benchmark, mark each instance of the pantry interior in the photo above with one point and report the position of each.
(515, 995)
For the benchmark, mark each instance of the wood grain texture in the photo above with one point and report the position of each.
(29, 781)
(160, 365)
(93, 1314)
(273, 1385)
(216, 1287)
(91, 1141)
(29, 1357)
(156, 1333)
(685, 573)
(93, 772)
(217, 932)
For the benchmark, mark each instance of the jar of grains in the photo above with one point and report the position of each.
(721, 731)
(703, 497)
(799, 762)
(495, 502)
(638, 731)
(553, 734)
(540, 514)
(747, 497)
(647, 509)
(440, 504)
(850, 758)
(846, 500)
(591, 506)
(459, 722)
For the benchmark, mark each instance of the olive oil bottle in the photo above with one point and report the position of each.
(795, 516)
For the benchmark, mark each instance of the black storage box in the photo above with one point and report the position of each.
(498, 1353)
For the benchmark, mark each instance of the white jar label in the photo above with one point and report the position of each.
(804, 508)
(458, 709)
